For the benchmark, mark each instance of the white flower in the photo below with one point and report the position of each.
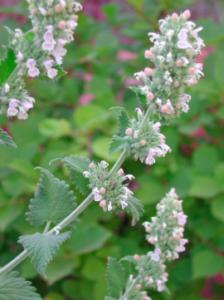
(156, 127)
(130, 177)
(7, 88)
(104, 164)
(20, 56)
(51, 73)
(63, 3)
(156, 254)
(59, 51)
(48, 38)
(170, 34)
(30, 99)
(150, 160)
(33, 72)
(136, 133)
(57, 230)
(123, 204)
(42, 11)
(72, 24)
(140, 75)
(169, 57)
(96, 193)
(27, 105)
(110, 206)
(18, 32)
(161, 59)
(183, 39)
(78, 6)
(154, 36)
(22, 115)
(50, 2)
(185, 61)
(31, 63)
(86, 174)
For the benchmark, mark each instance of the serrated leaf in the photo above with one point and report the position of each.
(53, 200)
(42, 248)
(76, 166)
(115, 277)
(123, 119)
(141, 98)
(117, 143)
(46, 79)
(136, 208)
(6, 139)
(7, 66)
(13, 287)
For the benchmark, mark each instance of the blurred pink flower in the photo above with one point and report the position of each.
(205, 52)
(131, 81)
(86, 98)
(207, 292)
(87, 77)
(124, 55)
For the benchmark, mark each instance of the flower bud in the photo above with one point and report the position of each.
(148, 71)
(75, 18)
(138, 286)
(136, 257)
(150, 96)
(148, 54)
(175, 202)
(176, 83)
(35, 29)
(102, 191)
(191, 71)
(187, 14)
(164, 109)
(91, 166)
(103, 203)
(58, 8)
(128, 131)
(121, 172)
(148, 229)
(62, 24)
(179, 63)
(151, 240)
(174, 17)
(143, 143)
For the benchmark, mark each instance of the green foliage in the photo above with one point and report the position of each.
(6, 140)
(118, 143)
(7, 66)
(123, 120)
(136, 208)
(141, 98)
(14, 287)
(53, 201)
(76, 165)
(42, 248)
(115, 277)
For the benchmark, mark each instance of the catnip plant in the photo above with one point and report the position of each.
(161, 91)
(36, 53)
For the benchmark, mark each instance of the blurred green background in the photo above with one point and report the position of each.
(72, 117)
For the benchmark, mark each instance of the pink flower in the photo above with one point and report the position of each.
(182, 218)
(86, 98)
(124, 55)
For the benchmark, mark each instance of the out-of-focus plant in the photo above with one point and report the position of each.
(173, 54)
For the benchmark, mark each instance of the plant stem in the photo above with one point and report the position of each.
(129, 289)
(71, 218)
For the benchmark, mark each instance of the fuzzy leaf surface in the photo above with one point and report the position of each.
(53, 201)
(76, 166)
(6, 139)
(13, 287)
(117, 143)
(115, 277)
(136, 208)
(42, 248)
(123, 119)
(141, 98)
(7, 66)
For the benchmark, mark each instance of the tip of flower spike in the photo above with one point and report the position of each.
(187, 14)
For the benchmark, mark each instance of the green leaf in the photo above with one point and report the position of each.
(7, 66)
(93, 269)
(46, 79)
(117, 143)
(6, 139)
(217, 207)
(53, 200)
(14, 287)
(141, 98)
(42, 248)
(88, 238)
(206, 263)
(201, 161)
(123, 119)
(76, 165)
(136, 208)
(29, 36)
(115, 277)
(204, 187)
(110, 298)
(100, 148)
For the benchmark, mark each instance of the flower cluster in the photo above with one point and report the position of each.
(40, 52)
(146, 141)
(111, 193)
(174, 52)
(165, 231)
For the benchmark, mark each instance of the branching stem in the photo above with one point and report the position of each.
(71, 218)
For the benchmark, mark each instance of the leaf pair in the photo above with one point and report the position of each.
(52, 203)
